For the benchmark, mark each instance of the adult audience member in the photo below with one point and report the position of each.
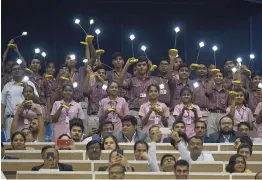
(93, 150)
(181, 169)
(106, 129)
(226, 134)
(116, 171)
(18, 142)
(129, 132)
(245, 128)
(245, 150)
(110, 143)
(70, 142)
(242, 139)
(201, 130)
(3, 153)
(237, 164)
(51, 160)
(155, 134)
(178, 126)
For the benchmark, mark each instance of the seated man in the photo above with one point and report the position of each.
(116, 171)
(155, 134)
(201, 130)
(245, 128)
(181, 169)
(129, 132)
(93, 150)
(167, 163)
(106, 128)
(3, 153)
(51, 160)
(178, 126)
(116, 157)
(245, 150)
(195, 149)
(226, 134)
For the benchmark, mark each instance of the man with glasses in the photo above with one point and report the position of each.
(93, 150)
(12, 96)
(194, 151)
(226, 133)
(116, 171)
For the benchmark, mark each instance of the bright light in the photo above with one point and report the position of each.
(77, 21)
(162, 86)
(97, 31)
(143, 48)
(260, 85)
(196, 85)
(37, 50)
(201, 44)
(91, 21)
(234, 70)
(25, 79)
(177, 29)
(72, 57)
(19, 61)
(43, 54)
(24, 33)
(132, 37)
(252, 56)
(104, 87)
(75, 85)
(85, 60)
(239, 60)
(214, 48)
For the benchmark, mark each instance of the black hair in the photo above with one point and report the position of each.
(163, 59)
(226, 117)
(62, 135)
(15, 64)
(203, 122)
(178, 122)
(197, 137)
(153, 126)
(245, 124)
(142, 59)
(244, 145)
(181, 135)
(27, 87)
(76, 122)
(186, 89)
(91, 143)
(166, 155)
(232, 162)
(181, 162)
(47, 147)
(110, 83)
(140, 142)
(153, 85)
(117, 164)
(130, 118)
(225, 61)
(98, 68)
(67, 84)
(179, 57)
(104, 123)
(114, 139)
(254, 74)
(247, 140)
(64, 66)
(116, 54)
(17, 133)
(182, 66)
(256, 176)
(48, 64)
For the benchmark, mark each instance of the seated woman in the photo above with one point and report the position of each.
(110, 143)
(116, 156)
(237, 164)
(62, 146)
(18, 142)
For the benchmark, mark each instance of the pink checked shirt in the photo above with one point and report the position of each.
(120, 104)
(259, 126)
(243, 114)
(26, 118)
(188, 118)
(62, 125)
(154, 118)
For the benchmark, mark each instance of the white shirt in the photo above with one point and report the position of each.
(12, 95)
(185, 154)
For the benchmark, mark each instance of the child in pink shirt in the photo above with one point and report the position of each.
(65, 110)
(113, 108)
(153, 112)
(238, 111)
(187, 112)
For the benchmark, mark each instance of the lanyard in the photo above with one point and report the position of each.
(241, 115)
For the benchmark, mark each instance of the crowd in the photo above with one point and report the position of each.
(185, 105)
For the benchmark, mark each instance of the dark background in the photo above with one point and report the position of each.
(235, 26)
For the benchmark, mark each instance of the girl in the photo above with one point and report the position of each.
(65, 110)
(27, 114)
(110, 143)
(238, 111)
(113, 108)
(18, 142)
(153, 112)
(187, 112)
(237, 164)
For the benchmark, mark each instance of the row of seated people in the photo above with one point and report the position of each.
(153, 100)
